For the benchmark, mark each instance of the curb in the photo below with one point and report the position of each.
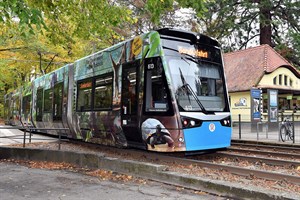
(150, 171)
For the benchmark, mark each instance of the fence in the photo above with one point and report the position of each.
(264, 130)
(30, 130)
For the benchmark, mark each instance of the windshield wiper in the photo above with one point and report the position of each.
(189, 89)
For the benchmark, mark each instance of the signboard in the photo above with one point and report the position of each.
(193, 52)
(273, 105)
(137, 45)
(256, 104)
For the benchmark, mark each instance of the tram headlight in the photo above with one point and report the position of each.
(226, 122)
(180, 139)
(190, 122)
(193, 123)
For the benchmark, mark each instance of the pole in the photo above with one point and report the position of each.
(24, 139)
(293, 118)
(30, 135)
(240, 128)
(59, 138)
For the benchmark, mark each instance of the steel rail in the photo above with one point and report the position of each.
(250, 172)
(231, 169)
(268, 161)
(267, 153)
(294, 149)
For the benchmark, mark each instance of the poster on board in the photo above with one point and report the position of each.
(256, 104)
(273, 105)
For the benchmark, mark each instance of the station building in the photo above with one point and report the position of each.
(261, 68)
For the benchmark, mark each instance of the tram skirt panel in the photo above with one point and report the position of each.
(211, 135)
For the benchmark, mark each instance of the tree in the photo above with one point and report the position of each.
(240, 23)
(75, 28)
(18, 11)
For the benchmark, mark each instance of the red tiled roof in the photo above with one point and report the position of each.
(245, 68)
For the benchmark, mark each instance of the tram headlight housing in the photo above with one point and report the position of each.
(226, 121)
(180, 139)
(188, 122)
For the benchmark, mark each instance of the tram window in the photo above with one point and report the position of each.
(57, 104)
(16, 105)
(156, 89)
(26, 105)
(39, 105)
(103, 93)
(48, 100)
(84, 97)
(6, 107)
(129, 95)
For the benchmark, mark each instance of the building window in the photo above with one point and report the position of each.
(280, 79)
(285, 80)
(275, 80)
(291, 82)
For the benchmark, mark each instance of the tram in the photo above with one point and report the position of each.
(164, 90)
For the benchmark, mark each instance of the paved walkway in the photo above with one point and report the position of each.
(264, 134)
(9, 136)
(146, 170)
(20, 182)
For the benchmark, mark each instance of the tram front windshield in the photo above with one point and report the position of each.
(197, 76)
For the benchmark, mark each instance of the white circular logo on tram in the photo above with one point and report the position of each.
(212, 127)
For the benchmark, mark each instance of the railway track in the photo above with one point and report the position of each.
(246, 172)
(270, 154)
(204, 161)
(173, 161)
(282, 148)
(268, 161)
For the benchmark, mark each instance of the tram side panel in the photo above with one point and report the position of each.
(48, 93)
(15, 119)
(96, 104)
(7, 109)
(26, 105)
(37, 102)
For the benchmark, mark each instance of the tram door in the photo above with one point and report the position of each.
(129, 101)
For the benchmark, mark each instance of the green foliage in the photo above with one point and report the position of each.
(291, 48)
(239, 24)
(156, 8)
(197, 5)
(88, 20)
(18, 10)
(75, 28)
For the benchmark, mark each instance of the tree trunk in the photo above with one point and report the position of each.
(265, 22)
